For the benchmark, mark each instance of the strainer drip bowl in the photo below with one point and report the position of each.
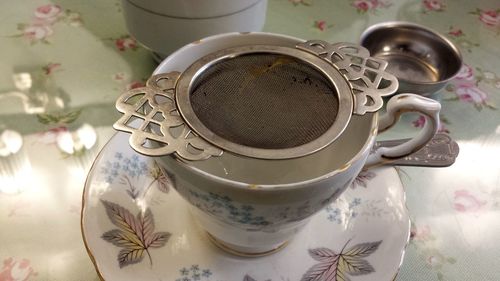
(268, 101)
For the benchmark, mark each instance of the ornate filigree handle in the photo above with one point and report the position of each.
(162, 130)
(440, 151)
(367, 76)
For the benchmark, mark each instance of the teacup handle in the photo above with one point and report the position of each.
(395, 107)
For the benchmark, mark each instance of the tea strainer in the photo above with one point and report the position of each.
(258, 101)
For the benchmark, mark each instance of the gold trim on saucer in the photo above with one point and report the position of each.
(85, 243)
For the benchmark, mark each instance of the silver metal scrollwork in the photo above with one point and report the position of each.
(150, 115)
(366, 75)
(440, 151)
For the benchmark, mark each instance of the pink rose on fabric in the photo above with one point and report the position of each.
(421, 233)
(125, 43)
(16, 270)
(435, 260)
(464, 201)
(465, 73)
(457, 32)
(420, 122)
(320, 24)
(37, 32)
(120, 76)
(45, 17)
(434, 5)
(363, 5)
(48, 12)
(490, 18)
(50, 136)
(472, 94)
(367, 5)
(465, 88)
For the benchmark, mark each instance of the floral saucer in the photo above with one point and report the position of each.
(136, 227)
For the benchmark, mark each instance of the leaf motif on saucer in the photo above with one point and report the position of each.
(363, 178)
(165, 181)
(134, 234)
(337, 267)
(130, 172)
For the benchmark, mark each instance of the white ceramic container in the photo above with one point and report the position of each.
(194, 8)
(163, 27)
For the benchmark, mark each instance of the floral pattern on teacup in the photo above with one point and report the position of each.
(249, 216)
(217, 205)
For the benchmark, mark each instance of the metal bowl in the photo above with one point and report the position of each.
(422, 59)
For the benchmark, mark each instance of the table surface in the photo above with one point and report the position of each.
(63, 64)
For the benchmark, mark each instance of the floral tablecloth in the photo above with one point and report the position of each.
(63, 63)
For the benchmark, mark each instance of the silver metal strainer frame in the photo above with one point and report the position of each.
(359, 80)
(185, 82)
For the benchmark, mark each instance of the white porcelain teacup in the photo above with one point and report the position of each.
(254, 206)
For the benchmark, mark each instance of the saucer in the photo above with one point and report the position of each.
(136, 227)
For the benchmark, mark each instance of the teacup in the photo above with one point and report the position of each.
(253, 206)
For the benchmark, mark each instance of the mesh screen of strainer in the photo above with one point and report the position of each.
(264, 100)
